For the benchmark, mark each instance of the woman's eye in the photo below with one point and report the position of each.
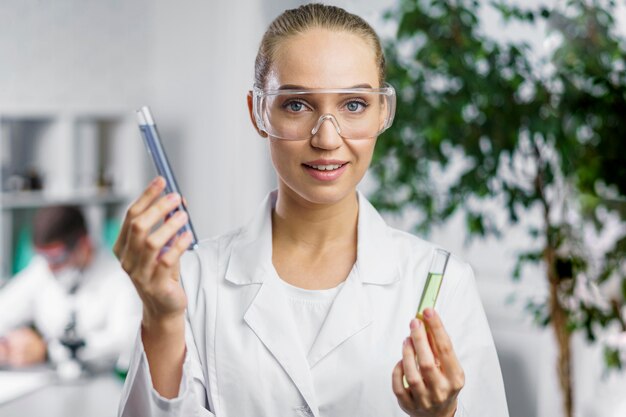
(295, 106)
(355, 106)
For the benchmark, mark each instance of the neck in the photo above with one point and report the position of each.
(316, 226)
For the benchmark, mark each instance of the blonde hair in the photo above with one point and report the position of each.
(296, 21)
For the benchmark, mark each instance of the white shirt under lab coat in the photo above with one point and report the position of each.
(244, 360)
(107, 308)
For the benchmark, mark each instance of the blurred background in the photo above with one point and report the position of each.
(73, 72)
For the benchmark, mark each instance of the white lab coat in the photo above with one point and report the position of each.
(242, 357)
(108, 310)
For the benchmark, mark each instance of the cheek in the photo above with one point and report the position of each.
(364, 150)
(79, 256)
(283, 154)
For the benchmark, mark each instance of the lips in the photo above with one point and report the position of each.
(325, 164)
(330, 167)
(325, 169)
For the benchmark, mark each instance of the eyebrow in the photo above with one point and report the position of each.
(300, 87)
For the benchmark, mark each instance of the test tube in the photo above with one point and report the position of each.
(433, 281)
(155, 149)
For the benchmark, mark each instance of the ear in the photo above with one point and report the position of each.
(251, 114)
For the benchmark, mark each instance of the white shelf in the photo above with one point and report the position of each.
(36, 199)
(72, 151)
(9, 111)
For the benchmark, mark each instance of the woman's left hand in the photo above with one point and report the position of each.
(433, 374)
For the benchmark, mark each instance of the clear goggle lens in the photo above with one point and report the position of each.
(355, 113)
(55, 255)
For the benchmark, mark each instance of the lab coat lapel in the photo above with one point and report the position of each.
(271, 320)
(269, 315)
(376, 264)
(349, 313)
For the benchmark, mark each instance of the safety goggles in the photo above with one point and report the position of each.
(298, 114)
(56, 254)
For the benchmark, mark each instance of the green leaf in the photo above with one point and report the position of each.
(612, 358)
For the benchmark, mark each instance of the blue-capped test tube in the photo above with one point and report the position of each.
(155, 149)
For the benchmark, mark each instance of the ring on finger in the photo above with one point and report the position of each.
(405, 383)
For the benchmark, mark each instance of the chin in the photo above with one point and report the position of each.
(321, 194)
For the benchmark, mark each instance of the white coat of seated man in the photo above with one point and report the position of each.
(72, 293)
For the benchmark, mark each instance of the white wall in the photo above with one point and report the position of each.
(74, 54)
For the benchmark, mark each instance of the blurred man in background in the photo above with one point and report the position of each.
(72, 301)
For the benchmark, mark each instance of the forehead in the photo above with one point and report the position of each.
(323, 58)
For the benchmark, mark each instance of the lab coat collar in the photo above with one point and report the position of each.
(251, 256)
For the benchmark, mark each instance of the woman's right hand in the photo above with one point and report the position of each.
(139, 248)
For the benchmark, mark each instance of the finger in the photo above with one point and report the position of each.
(137, 258)
(161, 236)
(15, 350)
(169, 258)
(433, 347)
(143, 224)
(402, 394)
(445, 352)
(150, 194)
(152, 191)
(412, 375)
(18, 360)
(425, 357)
(4, 350)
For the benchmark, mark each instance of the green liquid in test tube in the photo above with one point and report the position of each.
(433, 281)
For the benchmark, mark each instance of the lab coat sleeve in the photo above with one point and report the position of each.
(140, 399)
(18, 295)
(466, 323)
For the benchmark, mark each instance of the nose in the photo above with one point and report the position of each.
(326, 135)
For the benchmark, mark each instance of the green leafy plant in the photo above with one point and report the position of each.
(484, 127)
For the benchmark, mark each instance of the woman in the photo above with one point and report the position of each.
(308, 309)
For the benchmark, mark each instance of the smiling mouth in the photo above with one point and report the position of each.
(329, 167)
